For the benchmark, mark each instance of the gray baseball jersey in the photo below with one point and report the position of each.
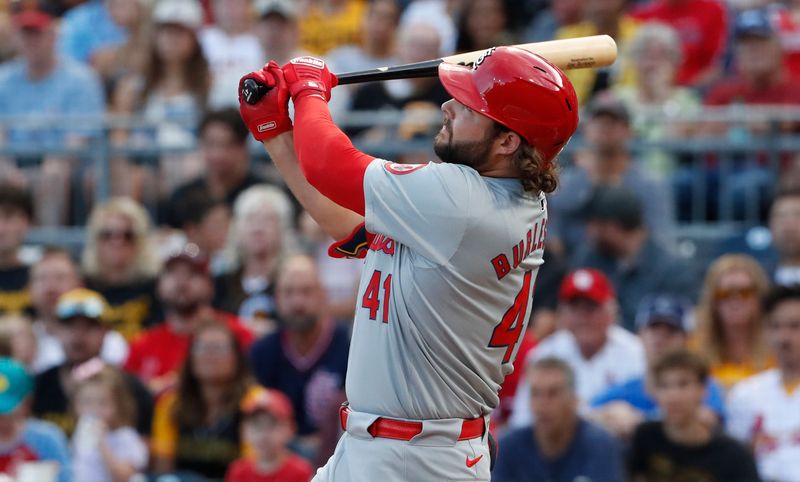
(445, 294)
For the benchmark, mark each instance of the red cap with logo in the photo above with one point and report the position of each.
(586, 283)
(273, 402)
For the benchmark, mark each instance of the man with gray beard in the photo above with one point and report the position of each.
(307, 357)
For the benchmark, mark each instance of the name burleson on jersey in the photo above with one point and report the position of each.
(533, 241)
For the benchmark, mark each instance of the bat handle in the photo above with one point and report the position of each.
(253, 91)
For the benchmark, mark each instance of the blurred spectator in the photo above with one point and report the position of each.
(51, 277)
(440, 14)
(172, 94)
(82, 332)
(120, 59)
(600, 352)
(89, 28)
(760, 77)
(702, 27)
(185, 290)
(683, 446)
(563, 446)
(277, 30)
(339, 277)
(656, 102)
(784, 224)
(205, 223)
(560, 13)
(16, 215)
(413, 97)
(375, 49)
(328, 24)
(41, 82)
(232, 48)
(606, 161)
(17, 332)
(621, 247)
(196, 427)
(105, 446)
(607, 17)
(483, 24)
(261, 235)
(26, 443)
(764, 410)
(307, 357)
(267, 427)
(226, 171)
(730, 324)
(119, 262)
(663, 322)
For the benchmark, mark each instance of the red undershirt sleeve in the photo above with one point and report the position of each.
(327, 157)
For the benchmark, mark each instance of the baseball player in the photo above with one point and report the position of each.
(452, 251)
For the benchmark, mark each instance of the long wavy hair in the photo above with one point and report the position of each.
(536, 174)
(190, 409)
(196, 72)
(709, 335)
(145, 264)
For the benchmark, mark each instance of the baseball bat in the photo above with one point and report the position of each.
(567, 54)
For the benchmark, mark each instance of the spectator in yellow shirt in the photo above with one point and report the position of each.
(331, 23)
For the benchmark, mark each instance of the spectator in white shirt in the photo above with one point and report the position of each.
(231, 48)
(600, 352)
(764, 410)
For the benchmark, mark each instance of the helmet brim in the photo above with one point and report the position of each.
(458, 82)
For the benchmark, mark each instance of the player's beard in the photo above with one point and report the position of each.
(472, 153)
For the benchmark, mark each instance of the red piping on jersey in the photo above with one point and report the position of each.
(327, 157)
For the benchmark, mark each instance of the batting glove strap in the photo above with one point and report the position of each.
(309, 76)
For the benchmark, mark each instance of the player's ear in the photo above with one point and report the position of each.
(508, 142)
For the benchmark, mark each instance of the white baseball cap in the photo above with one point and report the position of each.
(285, 8)
(187, 13)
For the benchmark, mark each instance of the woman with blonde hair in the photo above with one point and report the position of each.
(730, 324)
(120, 262)
(260, 235)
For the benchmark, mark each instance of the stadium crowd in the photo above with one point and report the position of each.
(201, 331)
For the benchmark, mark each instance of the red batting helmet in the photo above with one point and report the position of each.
(521, 91)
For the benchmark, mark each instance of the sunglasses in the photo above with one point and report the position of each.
(746, 292)
(88, 308)
(126, 235)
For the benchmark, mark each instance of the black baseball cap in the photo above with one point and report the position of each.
(607, 104)
(666, 309)
(754, 22)
(618, 204)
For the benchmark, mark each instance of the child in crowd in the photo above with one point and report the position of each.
(106, 446)
(267, 427)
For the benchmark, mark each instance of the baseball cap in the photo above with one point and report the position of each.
(608, 104)
(666, 309)
(189, 253)
(754, 22)
(32, 19)
(284, 8)
(15, 385)
(186, 13)
(586, 283)
(616, 203)
(273, 402)
(83, 303)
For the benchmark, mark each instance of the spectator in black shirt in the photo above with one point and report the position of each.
(226, 173)
(82, 328)
(16, 214)
(684, 446)
(120, 263)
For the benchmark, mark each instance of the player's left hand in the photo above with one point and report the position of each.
(309, 76)
(268, 117)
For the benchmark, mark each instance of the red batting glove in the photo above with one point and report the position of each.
(269, 117)
(309, 76)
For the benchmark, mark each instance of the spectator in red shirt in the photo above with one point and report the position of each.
(760, 76)
(702, 26)
(185, 289)
(267, 427)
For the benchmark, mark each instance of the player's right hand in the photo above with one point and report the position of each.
(309, 76)
(269, 117)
